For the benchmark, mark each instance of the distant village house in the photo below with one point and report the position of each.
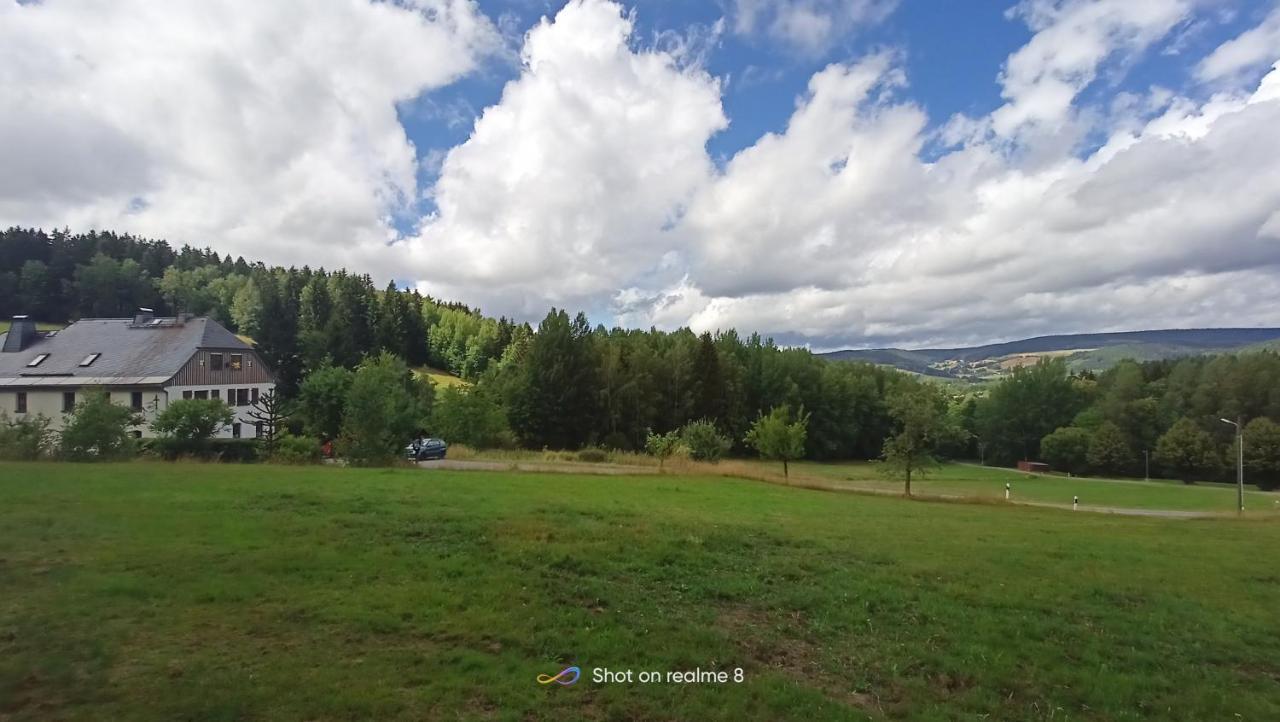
(143, 362)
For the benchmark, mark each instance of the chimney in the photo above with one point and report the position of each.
(143, 317)
(21, 333)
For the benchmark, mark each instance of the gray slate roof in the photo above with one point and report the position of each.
(130, 354)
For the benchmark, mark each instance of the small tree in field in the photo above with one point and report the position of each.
(921, 413)
(268, 414)
(1187, 451)
(98, 429)
(186, 425)
(778, 437)
(662, 446)
(704, 441)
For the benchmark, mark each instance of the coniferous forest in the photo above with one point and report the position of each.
(568, 384)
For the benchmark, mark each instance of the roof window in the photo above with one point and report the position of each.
(39, 359)
(88, 360)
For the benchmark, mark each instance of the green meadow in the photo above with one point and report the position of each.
(221, 592)
(979, 482)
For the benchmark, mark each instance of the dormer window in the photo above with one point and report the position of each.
(88, 360)
(39, 359)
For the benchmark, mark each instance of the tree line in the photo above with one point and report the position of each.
(571, 385)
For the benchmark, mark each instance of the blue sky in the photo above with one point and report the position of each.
(953, 53)
(832, 173)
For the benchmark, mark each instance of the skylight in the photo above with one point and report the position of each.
(90, 359)
(37, 360)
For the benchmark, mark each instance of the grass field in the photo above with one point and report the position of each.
(203, 592)
(4, 326)
(977, 482)
(966, 481)
(439, 377)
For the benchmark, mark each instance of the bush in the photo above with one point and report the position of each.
(386, 405)
(1066, 449)
(1109, 451)
(238, 451)
(662, 446)
(99, 429)
(297, 450)
(25, 439)
(703, 441)
(1187, 452)
(1262, 452)
(593, 455)
(186, 427)
(469, 416)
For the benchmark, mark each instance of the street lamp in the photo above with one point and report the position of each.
(1239, 462)
(1146, 465)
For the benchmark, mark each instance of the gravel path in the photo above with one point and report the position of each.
(538, 466)
(624, 470)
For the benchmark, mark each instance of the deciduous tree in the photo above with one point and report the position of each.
(779, 436)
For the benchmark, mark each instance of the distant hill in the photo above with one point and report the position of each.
(1093, 351)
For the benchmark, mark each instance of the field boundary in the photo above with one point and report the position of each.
(810, 483)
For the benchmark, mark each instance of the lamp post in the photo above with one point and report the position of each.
(1239, 463)
(1146, 465)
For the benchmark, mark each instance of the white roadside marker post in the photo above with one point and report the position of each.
(1006, 491)
(1075, 503)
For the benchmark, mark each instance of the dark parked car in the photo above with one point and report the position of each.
(425, 449)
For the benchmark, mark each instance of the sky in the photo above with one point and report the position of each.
(831, 173)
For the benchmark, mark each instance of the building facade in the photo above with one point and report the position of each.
(142, 362)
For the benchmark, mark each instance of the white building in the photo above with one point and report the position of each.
(143, 362)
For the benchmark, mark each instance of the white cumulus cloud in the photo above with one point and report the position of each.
(267, 129)
(810, 27)
(569, 186)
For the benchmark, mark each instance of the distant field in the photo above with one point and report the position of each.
(4, 326)
(966, 481)
(439, 377)
(988, 482)
(204, 592)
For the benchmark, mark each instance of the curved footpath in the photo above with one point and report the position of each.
(627, 470)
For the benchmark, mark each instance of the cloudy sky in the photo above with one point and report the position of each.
(836, 173)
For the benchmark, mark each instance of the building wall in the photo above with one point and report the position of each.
(198, 371)
(226, 391)
(154, 400)
(48, 402)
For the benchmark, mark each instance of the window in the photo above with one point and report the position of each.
(186, 394)
(235, 431)
(39, 359)
(215, 394)
(20, 403)
(257, 428)
(137, 434)
(242, 397)
(90, 359)
(202, 394)
(68, 401)
(135, 401)
(215, 362)
(254, 396)
(237, 362)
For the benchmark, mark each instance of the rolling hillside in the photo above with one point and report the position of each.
(1092, 351)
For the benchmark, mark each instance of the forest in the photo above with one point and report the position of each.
(568, 384)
